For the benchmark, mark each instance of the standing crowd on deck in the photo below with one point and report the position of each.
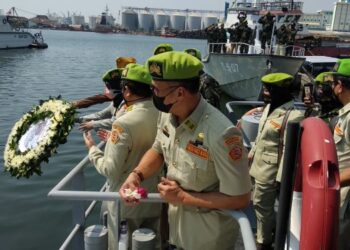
(162, 135)
(241, 36)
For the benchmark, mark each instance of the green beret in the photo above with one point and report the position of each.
(112, 75)
(342, 67)
(173, 66)
(277, 79)
(194, 52)
(320, 78)
(137, 73)
(163, 47)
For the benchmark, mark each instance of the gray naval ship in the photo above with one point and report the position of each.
(239, 74)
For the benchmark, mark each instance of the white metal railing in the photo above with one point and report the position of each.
(238, 48)
(79, 196)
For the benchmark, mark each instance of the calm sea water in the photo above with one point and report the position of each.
(72, 66)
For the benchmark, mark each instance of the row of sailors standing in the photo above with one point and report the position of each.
(206, 166)
(266, 156)
(241, 36)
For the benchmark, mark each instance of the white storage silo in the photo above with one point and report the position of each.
(209, 20)
(161, 20)
(129, 20)
(194, 22)
(146, 21)
(178, 21)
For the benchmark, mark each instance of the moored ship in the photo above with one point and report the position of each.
(13, 36)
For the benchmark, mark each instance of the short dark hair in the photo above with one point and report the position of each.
(137, 88)
(192, 85)
(344, 80)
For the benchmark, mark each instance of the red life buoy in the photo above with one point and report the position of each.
(4, 21)
(320, 187)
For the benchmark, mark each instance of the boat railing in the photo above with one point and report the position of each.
(72, 187)
(246, 48)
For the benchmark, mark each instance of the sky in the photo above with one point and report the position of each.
(30, 8)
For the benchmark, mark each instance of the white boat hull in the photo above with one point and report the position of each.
(13, 40)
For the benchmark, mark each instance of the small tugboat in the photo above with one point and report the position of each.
(13, 35)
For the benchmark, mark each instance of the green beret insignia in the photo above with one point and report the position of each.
(320, 78)
(137, 73)
(125, 73)
(173, 66)
(155, 69)
(112, 75)
(161, 48)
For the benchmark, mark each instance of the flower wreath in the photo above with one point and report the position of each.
(56, 116)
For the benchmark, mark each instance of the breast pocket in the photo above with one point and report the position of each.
(197, 173)
(269, 158)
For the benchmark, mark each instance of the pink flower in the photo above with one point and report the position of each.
(139, 193)
(143, 192)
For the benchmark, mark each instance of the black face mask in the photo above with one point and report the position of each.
(327, 99)
(118, 98)
(159, 104)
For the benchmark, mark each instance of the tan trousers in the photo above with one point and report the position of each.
(264, 197)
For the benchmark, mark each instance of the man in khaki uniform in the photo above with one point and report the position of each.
(268, 150)
(104, 118)
(207, 167)
(132, 134)
(341, 89)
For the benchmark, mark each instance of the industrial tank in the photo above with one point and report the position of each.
(161, 20)
(178, 22)
(194, 22)
(209, 20)
(146, 22)
(129, 20)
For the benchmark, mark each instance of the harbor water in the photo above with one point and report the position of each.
(72, 67)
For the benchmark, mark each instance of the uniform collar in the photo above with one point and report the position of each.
(141, 104)
(193, 119)
(344, 109)
(281, 109)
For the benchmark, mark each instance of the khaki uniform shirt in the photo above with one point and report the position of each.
(132, 135)
(265, 167)
(218, 163)
(342, 143)
(104, 118)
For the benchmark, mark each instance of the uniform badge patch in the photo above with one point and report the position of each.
(165, 131)
(275, 124)
(236, 153)
(118, 128)
(114, 136)
(198, 151)
(129, 108)
(338, 130)
(190, 125)
(233, 140)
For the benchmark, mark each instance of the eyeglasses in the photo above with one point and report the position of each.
(157, 91)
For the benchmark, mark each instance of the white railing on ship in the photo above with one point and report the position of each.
(76, 178)
(236, 48)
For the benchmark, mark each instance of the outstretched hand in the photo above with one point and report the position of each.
(89, 141)
(103, 134)
(86, 126)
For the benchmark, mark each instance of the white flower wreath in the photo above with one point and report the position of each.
(36, 136)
